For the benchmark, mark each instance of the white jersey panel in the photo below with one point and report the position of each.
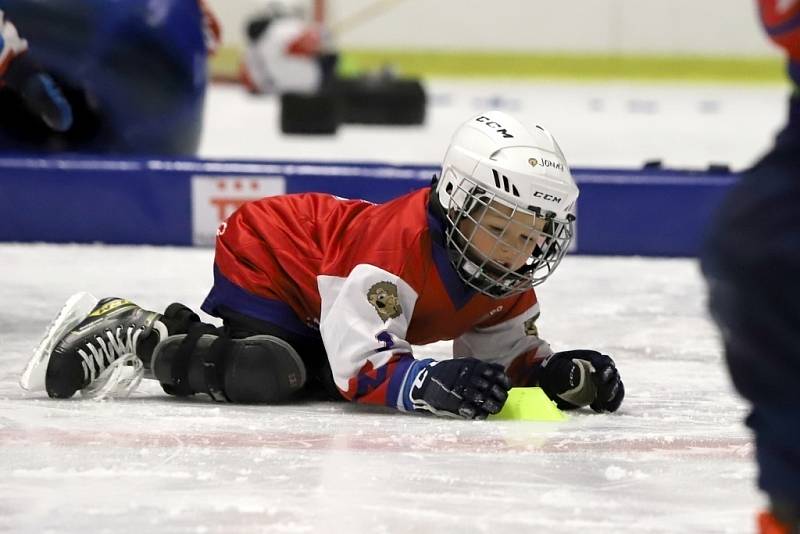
(504, 341)
(364, 318)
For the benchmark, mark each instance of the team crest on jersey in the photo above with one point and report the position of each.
(530, 326)
(383, 297)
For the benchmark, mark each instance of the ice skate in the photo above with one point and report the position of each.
(94, 351)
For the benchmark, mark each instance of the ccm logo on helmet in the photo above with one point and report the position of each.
(547, 196)
(496, 125)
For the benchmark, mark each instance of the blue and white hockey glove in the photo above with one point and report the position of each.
(38, 90)
(577, 378)
(461, 387)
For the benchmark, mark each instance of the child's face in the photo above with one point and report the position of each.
(506, 239)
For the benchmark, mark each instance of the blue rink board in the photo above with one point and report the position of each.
(149, 201)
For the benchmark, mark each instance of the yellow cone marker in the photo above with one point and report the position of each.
(529, 404)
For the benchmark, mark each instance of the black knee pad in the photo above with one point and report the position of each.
(256, 369)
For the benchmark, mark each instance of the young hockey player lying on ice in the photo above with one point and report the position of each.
(323, 297)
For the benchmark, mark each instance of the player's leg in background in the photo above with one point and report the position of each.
(129, 71)
(752, 264)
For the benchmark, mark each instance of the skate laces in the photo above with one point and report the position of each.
(111, 364)
(119, 379)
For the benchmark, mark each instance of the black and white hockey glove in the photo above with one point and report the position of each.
(461, 387)
(38, 90)
(578, 378)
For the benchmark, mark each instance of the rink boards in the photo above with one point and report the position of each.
(651, 212)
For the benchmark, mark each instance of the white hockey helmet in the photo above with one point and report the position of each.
(496, 165)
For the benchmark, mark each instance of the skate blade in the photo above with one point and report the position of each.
(77, 307)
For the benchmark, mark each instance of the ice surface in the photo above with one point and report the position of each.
(676, 458)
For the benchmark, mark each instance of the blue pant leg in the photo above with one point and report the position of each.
(752, 264)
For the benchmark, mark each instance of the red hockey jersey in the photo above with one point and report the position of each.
(372, 280)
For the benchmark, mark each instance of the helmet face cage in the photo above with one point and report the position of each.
(470, 201)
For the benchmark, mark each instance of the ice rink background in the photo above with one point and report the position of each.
(676, 457)
(613, 124)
